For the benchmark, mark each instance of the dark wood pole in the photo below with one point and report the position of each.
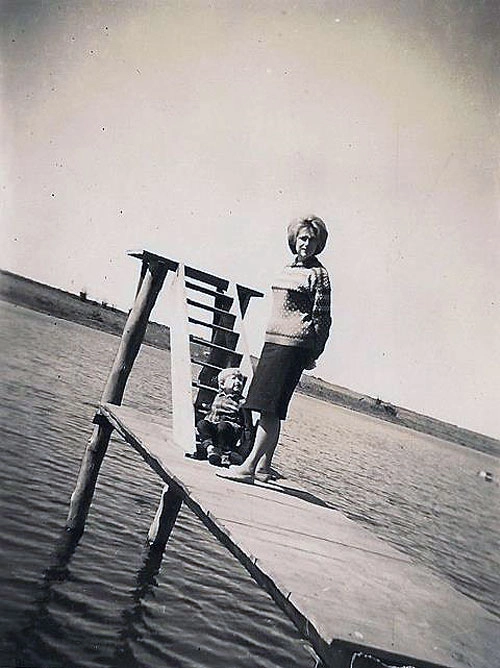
(133, 334)
(164, 520)
(134, 331)
(87, 477)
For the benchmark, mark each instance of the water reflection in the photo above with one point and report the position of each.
(133, 616)
(29, 642)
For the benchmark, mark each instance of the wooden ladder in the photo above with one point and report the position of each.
(207, 335)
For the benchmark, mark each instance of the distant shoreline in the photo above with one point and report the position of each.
(36, 296)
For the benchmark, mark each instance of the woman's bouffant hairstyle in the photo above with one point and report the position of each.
(313, 223)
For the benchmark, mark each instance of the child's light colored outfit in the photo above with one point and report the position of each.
(226, 408)
(221, 428)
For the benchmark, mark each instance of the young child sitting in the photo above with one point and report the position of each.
(223, 425)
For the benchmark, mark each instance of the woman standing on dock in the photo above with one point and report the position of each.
(295, 337)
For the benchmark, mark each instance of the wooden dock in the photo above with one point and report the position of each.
(346, 590)
(360, 602)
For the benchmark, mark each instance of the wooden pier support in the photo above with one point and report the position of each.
(87, 478)
(152, 277)
(133, 334)
(163, 523)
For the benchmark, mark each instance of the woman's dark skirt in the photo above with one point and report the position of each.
(275, 378)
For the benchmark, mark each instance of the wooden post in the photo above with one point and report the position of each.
(87, 477)
(144, 269)
(164, 520)
(134, 331)
(183, 430)
(130, 343)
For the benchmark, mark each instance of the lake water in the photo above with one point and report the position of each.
(201, 610)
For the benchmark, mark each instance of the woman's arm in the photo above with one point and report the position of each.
(321, 311)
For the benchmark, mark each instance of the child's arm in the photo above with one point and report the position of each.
(216, 403)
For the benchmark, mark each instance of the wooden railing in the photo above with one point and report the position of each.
(221, 352)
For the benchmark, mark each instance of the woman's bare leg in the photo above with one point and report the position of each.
(264, 465)
(266, 440)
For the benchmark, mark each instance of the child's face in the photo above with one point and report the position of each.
(233, 383)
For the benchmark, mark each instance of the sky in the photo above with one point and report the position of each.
(199, 130)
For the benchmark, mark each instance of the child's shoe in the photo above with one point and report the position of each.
(235, 458)
(214, 456)
(201, 450)
(225, 460)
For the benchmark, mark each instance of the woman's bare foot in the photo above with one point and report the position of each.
(267, 474)
(238, 474)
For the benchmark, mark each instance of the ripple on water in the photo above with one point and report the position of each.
(200, 609)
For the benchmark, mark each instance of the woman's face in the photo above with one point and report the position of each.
(306, 243)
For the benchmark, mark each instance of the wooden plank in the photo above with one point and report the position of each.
(206, 364)
(212, 309)
(344, 588)
(245, 365)
(197, 274)
(198, 385)
(213, 293)
(205, 277)
(244, 296)
(180, 358)
(211, 325)
(208, 344)
(148, 257)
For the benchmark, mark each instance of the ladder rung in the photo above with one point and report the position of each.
(219, 328)
(207, 291)
(204, 387)
(209, 344)
(206, 364)
(192, 302)
(205, 277)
